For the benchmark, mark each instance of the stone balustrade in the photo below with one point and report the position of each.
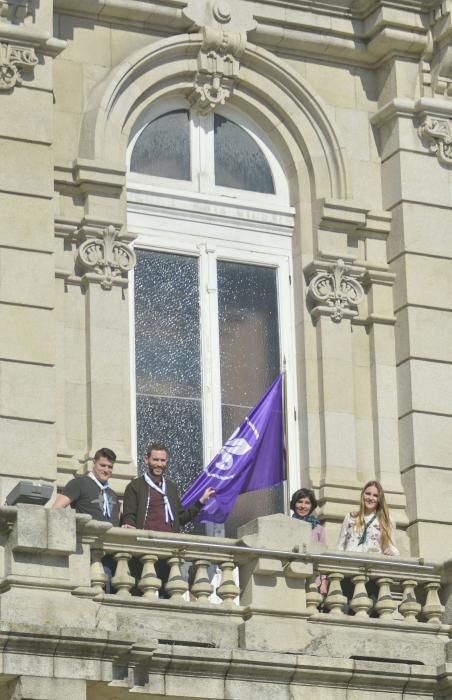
(244, 572)
(228, 599)
(252, 572)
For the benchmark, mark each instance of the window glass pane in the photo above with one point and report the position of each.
(249, 362)
(163, 147)
(239, 162)
(167, 357)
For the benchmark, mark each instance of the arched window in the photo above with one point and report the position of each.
(212, 315)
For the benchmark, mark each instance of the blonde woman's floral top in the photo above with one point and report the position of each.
(349, 538)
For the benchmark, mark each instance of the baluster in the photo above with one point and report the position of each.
(176, 585)
(122, 581)
(313, 596)
(360, 603)
(385, 604)
(433, 610)
(98, 577)
(335, 599)
(409, 607)
(201, 588)
(228, 589)
(149, 583)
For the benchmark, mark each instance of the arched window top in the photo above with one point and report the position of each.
(163, 147)
(239, 161)
(221, 154)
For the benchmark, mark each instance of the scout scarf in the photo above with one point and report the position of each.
(363, 537)
(103, 487)
(307, 519)
(162, 491)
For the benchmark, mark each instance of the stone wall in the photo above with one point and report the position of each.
(356, 100)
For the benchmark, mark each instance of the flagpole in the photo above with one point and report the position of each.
(286, 442)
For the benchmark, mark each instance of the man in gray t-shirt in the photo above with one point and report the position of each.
(91, 493)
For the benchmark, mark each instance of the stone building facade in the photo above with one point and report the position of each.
(193, 192)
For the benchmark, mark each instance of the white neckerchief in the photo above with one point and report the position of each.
(103, 487)
(162, 491)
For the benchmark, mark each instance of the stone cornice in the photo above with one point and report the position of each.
(362, 32)
(31, 37)
(403, 107)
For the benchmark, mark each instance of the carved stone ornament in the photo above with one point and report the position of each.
(14, 60)
(13, 11)
(336, 290)
(436, 134)
(106, 256)
(218, 69)
(438, 55)
(224, 26)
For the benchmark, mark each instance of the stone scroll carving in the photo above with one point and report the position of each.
(436, 134)
(224, 26)
(15, 60)
(335, 289)
(105, 255)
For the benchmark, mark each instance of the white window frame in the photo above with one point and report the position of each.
(218, 224)
(202, 154)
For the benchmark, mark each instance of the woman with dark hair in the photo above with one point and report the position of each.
(303, 503)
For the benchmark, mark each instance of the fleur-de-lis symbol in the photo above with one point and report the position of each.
(233, 446)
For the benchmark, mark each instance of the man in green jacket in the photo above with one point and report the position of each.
(152, 502)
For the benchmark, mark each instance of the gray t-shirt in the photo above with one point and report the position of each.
(87, 497)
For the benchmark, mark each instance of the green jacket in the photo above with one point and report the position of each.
(136, 498)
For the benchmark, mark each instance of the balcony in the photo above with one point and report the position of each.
(246, 619)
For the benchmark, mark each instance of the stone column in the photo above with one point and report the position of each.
(94, 259)
(334, 291)
(349, 296)
(272, 585)
(27, 341)
(415, 135)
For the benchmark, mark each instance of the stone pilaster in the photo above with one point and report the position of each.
(416, 177)
(27, 343)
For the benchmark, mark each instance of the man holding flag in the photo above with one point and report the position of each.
(152, 502)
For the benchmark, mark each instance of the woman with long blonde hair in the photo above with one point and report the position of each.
(370, 529)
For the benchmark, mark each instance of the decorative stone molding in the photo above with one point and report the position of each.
(436, 66)
(14, 60)
(224, 26)
(14, 11)
(335, 288)
(104, 256)
(218, 69)
(436, 134)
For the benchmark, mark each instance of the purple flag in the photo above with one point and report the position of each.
(252, 458)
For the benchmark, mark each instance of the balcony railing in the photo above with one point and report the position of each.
(232, 572)
(236, 608)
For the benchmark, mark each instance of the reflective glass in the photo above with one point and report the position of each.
(167, 325)
(167, 357)
(239, 161)
(163, 147)
(249, 362)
